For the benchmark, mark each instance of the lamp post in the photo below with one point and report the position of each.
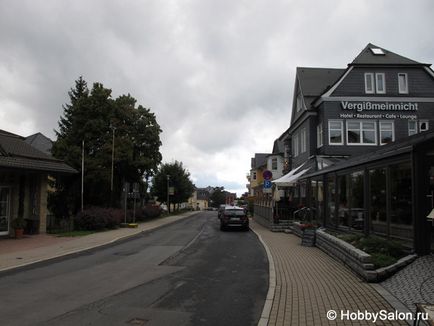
(168, 203)
(113, 160)
(82, 173)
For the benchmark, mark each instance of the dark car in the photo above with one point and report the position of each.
(233, 216)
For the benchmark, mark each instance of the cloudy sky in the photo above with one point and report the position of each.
(218, 74)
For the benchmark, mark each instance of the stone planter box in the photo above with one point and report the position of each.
(359, 261)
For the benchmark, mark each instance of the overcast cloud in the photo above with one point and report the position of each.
(218, 74)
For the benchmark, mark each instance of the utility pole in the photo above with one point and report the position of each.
(113, 160)
(82, 173)
(168, 203)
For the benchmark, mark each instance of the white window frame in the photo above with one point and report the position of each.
(295, 145)
(369, 87)
(274, 165)
(361, 129)
(319, 135)
(341, 130)
(377, 75)
(382, 123)
(419, 124)
(405, 89)
(299, 102)
(413, 131)
(303, 146)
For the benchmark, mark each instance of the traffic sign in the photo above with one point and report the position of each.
(267, 174)
(267, 184)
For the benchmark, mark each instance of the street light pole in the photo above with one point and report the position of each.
(168, 203)
(82, 173)
(113, 160)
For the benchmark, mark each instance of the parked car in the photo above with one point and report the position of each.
(233, 216)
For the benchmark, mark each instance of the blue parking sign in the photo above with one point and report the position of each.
(267, 184)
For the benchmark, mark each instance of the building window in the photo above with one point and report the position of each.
(319, 135)
(299, 102)
(361, 132)
(380, 83)
(378, 202)
(412, 127)
(401, 220)
(254, 175)
(303, 141)
(387, 132)
(336, 132)
(416, 126)
(402, 83)
(274, 164)
(369, 83)
(423, 125)
(295, 145)
(375, 85)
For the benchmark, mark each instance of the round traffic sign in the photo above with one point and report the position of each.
(267, 174)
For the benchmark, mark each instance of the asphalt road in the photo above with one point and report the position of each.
(186, 273)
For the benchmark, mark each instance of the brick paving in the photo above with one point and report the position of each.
(309, 283)
(414, 284)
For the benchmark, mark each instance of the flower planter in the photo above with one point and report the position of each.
(19, 233)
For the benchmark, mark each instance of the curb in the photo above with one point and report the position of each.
(266, 311)
(83, 250)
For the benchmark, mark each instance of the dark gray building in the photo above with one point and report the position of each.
(379, 98)
(366, 134)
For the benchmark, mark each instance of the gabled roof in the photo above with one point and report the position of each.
(314, 81)
(367, 57)
(260, 159)
(278, 147)
(40, 142)
(17, 154)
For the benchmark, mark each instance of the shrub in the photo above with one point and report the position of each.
(382, 260)
(384, 252)
(97, 218)
(151, 211)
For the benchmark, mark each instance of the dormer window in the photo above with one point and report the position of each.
(377, 51)
(375, 83)
(402, 83)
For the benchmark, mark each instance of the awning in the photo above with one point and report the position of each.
(290, 178)
(287, 176)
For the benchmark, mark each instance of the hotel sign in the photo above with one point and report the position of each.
(369, 106)
(383, 110)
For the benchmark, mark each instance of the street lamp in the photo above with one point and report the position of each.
(113, 160)
(168, 203)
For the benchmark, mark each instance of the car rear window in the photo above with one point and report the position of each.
(234, 212)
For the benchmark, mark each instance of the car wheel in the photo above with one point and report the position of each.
(222, 227)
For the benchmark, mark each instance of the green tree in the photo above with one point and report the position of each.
(179, 179)
(93, 116)
(218, 196)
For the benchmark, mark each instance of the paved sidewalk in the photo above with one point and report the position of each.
(35, 248)
(309, 283)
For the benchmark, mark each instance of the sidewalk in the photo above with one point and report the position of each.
(35, 248)
(309, 283)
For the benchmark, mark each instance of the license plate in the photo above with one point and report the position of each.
(235, 219)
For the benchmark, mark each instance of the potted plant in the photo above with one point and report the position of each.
(18, 224)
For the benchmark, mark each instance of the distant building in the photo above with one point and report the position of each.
(200, 199)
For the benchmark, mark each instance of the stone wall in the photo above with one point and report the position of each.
(359, 261)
